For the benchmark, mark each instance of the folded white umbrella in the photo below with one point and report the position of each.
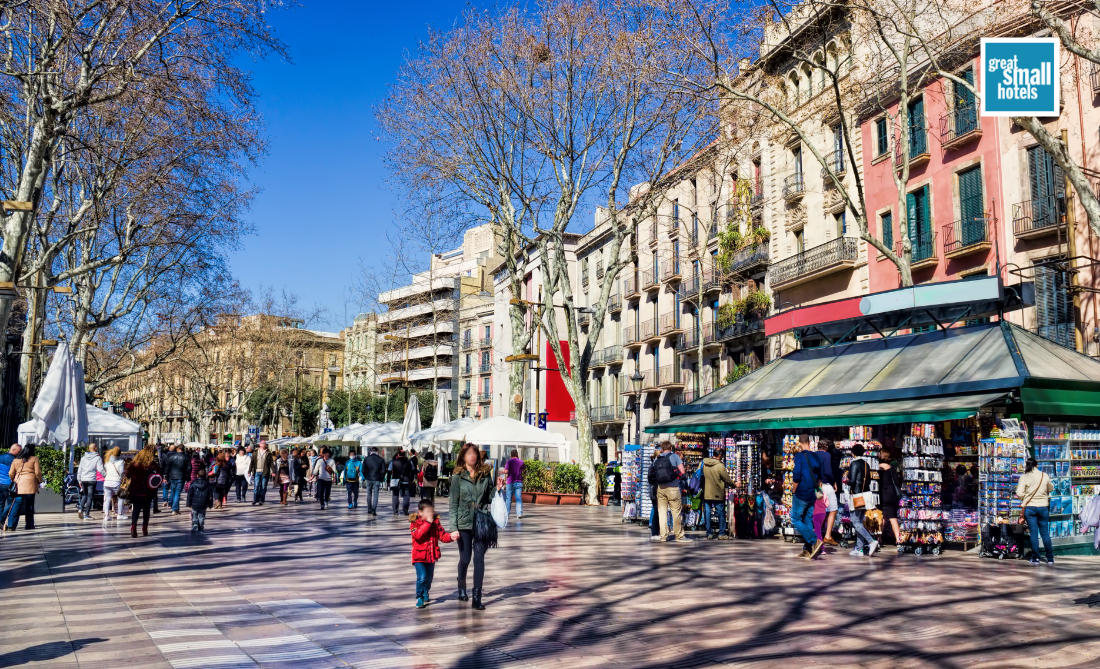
(504, 431)
(411, 425)
(442, 413)
(61, 405)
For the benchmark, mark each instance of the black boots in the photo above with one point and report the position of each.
(462, 596)
(477, 605)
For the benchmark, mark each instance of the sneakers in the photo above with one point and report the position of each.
(712, 537)
(519, 515)
(175, 513)
(874, 548)
(420, 603)
(829, 541)
(685, 540)
(80, 515)
(349, 506)
(858, 552)
(656, 539)
(724, 537)
(805, 554)
(816, 549)
(1050, 562)
(1034, 560)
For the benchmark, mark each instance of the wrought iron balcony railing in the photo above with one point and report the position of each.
(793, 186)
(811, 261)
(1037, 216)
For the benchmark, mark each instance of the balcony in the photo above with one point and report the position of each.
(739, 329)
(833, 256)
(669, 377)
(630, 286)
(793, 187)
(670, 324)
(584, 278)
(608, 414)
(918, 148)
(689, 341)
(964, 237)
(834, 162)
(749, 258)
(924, 251)
(467, 370)
(613, 355)
(597, 359)
(649, 330)
(468, 343)
(584, 319)
(649, 380)
(631, 336)
(959, 127)
(486, 342)
(649, 279)
(757, 199)
(485, 368)
(670, 270)
(484, 397)
(692, 395)
(1038, 217)
(653, 233)
(674, 224)
(614, 303)
(1094, 79)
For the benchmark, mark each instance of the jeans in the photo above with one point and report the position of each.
(425, 571)
(372, 490)
(862, 535)
(1038, 518)
(198, 519)
(514, 490)
(427, 492)
(467, 549)
(7, 498)
(324, 491)
(668, 499)
(87, 497)
(259, 487)
(175, 490)
(353, 493)
(801, 518)
(401, 492)
(164, 491)
(242, 487)
(716, 507)
(24, 504)
(108, 496)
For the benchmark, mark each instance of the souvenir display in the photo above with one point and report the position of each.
(920, 509)
(645, 505)
(1070, 455)
(1001, 460)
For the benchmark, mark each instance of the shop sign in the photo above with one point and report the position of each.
(1020, 76)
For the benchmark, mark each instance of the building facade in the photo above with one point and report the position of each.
(361, 353)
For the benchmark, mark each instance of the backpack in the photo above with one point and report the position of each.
(662, 471)
(351, 469)
(431, 473)
(695, 481)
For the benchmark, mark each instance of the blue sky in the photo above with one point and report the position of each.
(324, 206)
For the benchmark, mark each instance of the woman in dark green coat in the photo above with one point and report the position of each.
(471, 490)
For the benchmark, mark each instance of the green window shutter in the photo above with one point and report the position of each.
(918, 142)
(971, 207)
(888, 230)
(911, 215)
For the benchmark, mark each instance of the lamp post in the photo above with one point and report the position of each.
(636, 384)
(464, 396)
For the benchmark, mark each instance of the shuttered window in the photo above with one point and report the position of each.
(882, 140)
(888, 230)
(920, 224)
(918, 139)
(1053, 306)
(971, 207)
(966, 111)
(1047, 187)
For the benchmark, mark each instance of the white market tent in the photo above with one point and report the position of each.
(104, 428)
(336, 435)
(503, 431)
(383, 435)
(435, 435)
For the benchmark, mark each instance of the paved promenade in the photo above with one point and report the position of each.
(568, 588)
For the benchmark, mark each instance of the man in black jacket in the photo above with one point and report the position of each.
(374, 471)
(401, 475)
(177, 469)
(859, 482)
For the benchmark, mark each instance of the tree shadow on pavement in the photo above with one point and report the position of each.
(44, 652)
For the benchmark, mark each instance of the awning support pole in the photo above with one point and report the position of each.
(961, 316)
(938, 324)
(903, 324)
(868, 322)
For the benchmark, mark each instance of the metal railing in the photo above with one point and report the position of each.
(749, 256)
(630, 285)
(649, 278)
(959, 122)
(843, 249)
(607, 414)
(486, 342)
(923, 248)
(653, 232)
(963, 233)
(649, 380)
(740, 328)
(834, 162)
(669, 375)
(670, 323)
(584, 277)
(631, 335)
(485, 368)
(649, 329)
(599, 270)
(1094, 78)
(583, 319)
(793, 186)
(757, 192)
(670, 269)
(1037, 215)
(612, 355)
(614, 303)
(468, 343)
(692, 395)
(688, 341)
(484, 397)
(467, 370)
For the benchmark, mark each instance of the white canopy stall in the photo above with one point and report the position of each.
(104, 428)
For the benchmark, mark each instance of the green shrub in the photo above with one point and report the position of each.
(568, 479)
(536, 476)
(52, 462)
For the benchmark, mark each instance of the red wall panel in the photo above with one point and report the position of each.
(558, 401)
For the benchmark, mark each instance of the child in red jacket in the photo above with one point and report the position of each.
(427, 532)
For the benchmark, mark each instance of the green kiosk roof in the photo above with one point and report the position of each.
(941, 375)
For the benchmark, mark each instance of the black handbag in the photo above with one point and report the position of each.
(485, 529)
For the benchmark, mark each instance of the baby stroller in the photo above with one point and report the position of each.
(999, 542)
(72, 489)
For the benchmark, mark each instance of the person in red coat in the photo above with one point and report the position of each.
(427, 533)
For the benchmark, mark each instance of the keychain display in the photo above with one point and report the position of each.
(920, 510)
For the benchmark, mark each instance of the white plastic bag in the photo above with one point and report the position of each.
(499, 511)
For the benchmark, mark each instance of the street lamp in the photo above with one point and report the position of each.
(636, 383)
(465, 397)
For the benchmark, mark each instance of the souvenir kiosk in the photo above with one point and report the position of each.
(942, 381)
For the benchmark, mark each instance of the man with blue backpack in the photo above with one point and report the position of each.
(352, 468)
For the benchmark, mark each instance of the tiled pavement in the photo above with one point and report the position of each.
(568, 587)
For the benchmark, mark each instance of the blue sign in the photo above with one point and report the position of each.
(1020, 76)
(541, 422)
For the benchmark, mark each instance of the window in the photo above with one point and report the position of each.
(488, 332)
(920, 224)
(796, 154)
(675, 214)
(971, 207)
(485, 386)
(467, 361)
(484, 359)
(841, 224)
(882, 139)
(838, 148)
(918, 140)
(887, 227)
(1047, 187)
(799, 242)
(966, 112)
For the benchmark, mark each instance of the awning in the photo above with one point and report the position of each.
(925, 410)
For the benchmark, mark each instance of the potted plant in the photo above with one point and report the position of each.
(537, 481)
(568, 483)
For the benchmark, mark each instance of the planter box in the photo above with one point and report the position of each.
(527, 497)
(545, 498)
(604, 499)
(573, 500)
